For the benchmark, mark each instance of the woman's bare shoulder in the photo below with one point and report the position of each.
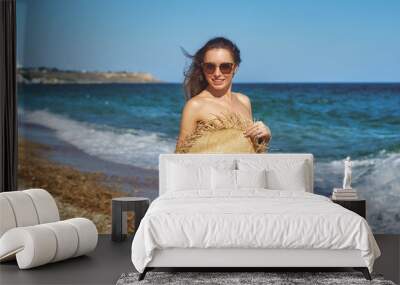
(202, 96)
(193, 103)
(244, 99)
(198, 101)
(194, 109)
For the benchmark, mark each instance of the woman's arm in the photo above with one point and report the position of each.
(259, 130)
(188, 120)
(246, 101)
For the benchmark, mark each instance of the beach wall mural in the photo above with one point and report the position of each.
(91, 129)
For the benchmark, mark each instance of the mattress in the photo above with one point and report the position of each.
(250, 218)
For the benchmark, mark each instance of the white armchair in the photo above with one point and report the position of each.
(31, 230)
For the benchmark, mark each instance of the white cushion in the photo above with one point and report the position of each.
(292, 180)
(23, 208)
(223, 179)
(45, 205)
(194, 175)
(26, 208)
(283, 174)
(183, 178)
(227, 179)
(67, 240)
(7, 218)
(169, 174)
(251, 178)
(87, 233)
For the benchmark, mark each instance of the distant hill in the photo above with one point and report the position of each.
(47, 75)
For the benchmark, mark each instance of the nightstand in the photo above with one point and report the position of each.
(120, 207)
(357, 206)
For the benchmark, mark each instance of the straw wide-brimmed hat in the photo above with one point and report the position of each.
(222, 134)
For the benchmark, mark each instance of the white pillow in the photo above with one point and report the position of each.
(223, 179)
(292, 180)
(251, 178)
(283, 174)
(188, 177)
(228, 179)
(193, 175)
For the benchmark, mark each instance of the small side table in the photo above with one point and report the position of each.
(357, 206)
(120, 207)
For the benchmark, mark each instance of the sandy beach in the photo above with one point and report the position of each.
(77, 193)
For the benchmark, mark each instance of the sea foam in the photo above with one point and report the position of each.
(376, 179)
(126, 146)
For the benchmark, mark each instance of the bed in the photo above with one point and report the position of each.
(247, 210)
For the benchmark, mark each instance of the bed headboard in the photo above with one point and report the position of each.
(212, 158)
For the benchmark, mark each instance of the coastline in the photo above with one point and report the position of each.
(77, 193)
(48, 75)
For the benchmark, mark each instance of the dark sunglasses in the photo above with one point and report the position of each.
(209, 68)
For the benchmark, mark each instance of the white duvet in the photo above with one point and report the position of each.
(251, 218)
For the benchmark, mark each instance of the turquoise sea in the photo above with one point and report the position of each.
(131, 124)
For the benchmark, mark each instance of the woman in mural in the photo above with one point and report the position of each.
(215, 119)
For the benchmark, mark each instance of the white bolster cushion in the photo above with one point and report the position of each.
(24, 210)
(66, 238)
(40, 244)
(45, 205)
(7, 218)
(87, 234)
(33, 246)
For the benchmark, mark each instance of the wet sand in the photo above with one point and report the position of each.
(80, 193)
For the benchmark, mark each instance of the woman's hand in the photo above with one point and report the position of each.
(258, 131)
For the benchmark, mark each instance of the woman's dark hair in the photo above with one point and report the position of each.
(195, 82)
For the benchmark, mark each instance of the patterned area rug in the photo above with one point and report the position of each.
(225, 278)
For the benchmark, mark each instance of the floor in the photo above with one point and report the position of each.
(111, 259)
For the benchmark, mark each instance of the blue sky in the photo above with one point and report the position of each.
(280, 41)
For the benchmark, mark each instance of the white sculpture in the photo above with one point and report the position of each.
(347, 173)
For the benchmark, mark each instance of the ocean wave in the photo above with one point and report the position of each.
(131, 147)
(376, 179)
